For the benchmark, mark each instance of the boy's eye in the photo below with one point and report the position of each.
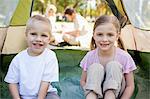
(33, 33)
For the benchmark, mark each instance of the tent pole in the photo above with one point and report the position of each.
(31, 8)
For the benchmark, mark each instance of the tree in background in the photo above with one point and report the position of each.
(82, 6)
(40, 5)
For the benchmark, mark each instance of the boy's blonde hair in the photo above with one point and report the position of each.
(37, 18)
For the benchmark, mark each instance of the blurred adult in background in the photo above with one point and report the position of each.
(80, 27)
(51, 15)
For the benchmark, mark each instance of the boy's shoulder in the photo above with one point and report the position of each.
(22, 53)
(19, 56)
(49, 52)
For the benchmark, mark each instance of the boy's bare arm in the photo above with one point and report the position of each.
(43, 90)
(129, 86)
(13, 88)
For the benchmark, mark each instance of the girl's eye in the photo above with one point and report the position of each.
(44, 35)
(110, 34)
(99, 34)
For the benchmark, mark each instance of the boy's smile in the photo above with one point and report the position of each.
(38, 39)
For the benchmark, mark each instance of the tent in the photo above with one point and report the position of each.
(14, 15)
(13, 19)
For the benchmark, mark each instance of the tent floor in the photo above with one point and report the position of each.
(70, 76)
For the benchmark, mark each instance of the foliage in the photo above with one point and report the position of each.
(81, 6)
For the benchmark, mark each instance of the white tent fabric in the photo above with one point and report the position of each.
(13, 17)
(6, 12)
(12, 38)
(15, 40)
(136, 39)
(138, 12)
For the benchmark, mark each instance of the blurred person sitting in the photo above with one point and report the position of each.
(51, 15)
(80, 27)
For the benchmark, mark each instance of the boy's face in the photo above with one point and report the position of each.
(38, 38)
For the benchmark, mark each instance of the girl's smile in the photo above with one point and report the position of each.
(105, 36)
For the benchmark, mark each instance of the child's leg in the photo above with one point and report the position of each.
(70, 39)
(91, 95)
(113, 79)
(95, 76)
(52, 95)
(123, 85)
(109, 94)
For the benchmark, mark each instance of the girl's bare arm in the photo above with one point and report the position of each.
(129, 89)
(83, 78)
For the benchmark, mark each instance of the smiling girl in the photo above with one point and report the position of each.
(107, 70)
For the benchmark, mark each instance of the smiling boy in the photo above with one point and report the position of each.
(32, 71)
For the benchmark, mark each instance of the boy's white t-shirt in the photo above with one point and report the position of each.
(29, 71)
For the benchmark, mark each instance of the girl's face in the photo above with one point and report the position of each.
(38, 39)
(105, 36)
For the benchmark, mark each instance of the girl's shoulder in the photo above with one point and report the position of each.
(123, 55)
(126, 60)
(121, 52)
(92, 52)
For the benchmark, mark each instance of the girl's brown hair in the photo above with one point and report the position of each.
(105, 19)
